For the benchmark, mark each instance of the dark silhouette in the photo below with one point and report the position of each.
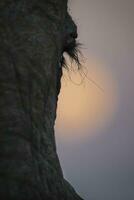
(33, 37)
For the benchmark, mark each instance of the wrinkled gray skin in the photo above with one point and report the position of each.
(33, 36)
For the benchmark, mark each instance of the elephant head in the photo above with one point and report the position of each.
(33, 38)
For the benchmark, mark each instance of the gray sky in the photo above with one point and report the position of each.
(102, 167)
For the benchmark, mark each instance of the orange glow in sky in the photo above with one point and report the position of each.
(85, 106)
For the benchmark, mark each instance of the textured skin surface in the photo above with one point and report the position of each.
(31, 37)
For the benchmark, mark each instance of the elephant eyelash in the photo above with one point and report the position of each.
(74, 54)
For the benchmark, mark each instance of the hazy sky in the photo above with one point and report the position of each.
(96, 146)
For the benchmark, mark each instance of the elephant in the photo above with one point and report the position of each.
(33, 38)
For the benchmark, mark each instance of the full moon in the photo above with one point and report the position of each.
(87, 101)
